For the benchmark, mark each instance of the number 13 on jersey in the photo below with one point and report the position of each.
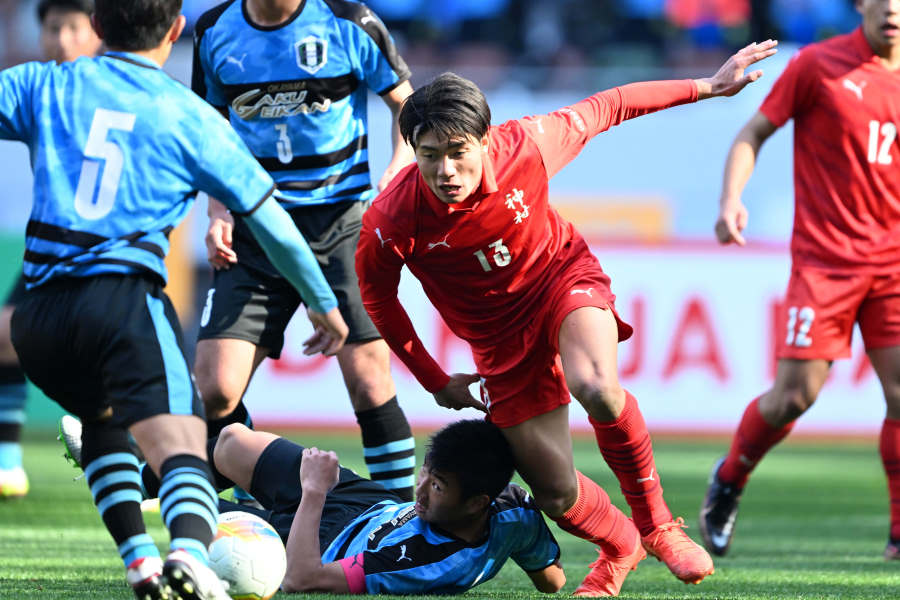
(500, 256)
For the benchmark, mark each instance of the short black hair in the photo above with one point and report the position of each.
(449, 106)
(477, 453)
(82, 6)
(135, 25)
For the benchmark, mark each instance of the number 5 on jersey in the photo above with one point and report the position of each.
(500, 255)
(97, 149)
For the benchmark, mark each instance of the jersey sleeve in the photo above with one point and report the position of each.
(224, 167)
(538, 549)
(203, 80)
(376, 57)
(562, 134)
(379, 259)
(792, 92)
(16, 99)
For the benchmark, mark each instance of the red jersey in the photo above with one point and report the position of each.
(846, 108)
(486, 262)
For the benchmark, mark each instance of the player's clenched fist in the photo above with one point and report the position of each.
(319, 470)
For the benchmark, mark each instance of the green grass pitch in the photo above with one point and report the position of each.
(813, 524)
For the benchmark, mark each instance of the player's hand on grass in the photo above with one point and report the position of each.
(456, 393)
(730, 78)
(731, 222)
(330, 333)
(319, 470)
(219, 252)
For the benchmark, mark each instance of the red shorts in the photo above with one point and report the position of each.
(820, 308)
(521, 373)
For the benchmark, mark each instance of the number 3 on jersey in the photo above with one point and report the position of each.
(283, 145)
(96, 149)
(798, 326)
(500, 255)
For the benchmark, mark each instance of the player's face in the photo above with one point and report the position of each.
(451, 168)
(439, 500)
(67, 35)
(881, 21)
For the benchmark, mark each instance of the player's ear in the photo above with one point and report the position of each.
(95, 25)
(485, 142)
(177, 29)
(478, 503)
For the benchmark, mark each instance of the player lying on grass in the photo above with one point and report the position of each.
(472, 221)
(119, 150)
(346, 534)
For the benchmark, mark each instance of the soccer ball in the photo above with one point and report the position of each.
(248, 554)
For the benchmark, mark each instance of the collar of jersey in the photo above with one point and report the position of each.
(865, 50)
(132, 58)
(488, 186)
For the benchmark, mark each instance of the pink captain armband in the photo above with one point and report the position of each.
(353, 571)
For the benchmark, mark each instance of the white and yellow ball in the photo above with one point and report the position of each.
(248, 554)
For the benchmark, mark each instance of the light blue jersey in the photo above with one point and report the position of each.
(119, 150)
(296, 93)
(401, 554)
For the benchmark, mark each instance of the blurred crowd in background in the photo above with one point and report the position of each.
(541, 44)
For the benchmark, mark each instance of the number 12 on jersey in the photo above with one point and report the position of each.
(500, 255)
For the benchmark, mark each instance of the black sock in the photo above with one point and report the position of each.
(111, 471)
(188, 504)
(389, 448)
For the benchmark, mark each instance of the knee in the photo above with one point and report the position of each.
(557, 500)
(366, 390)
(791, 402)
(228, 441)
(602, 397)
(369, 383)
(220, 393)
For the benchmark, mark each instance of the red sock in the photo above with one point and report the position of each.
(753, 438)
(594, 518)
(890, 456)
(625, 445)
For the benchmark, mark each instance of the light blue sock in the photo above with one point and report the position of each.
(12, 416)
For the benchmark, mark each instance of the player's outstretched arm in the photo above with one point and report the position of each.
(290, 254)
(319, 472)
(731, 77)
(739, 165)
(550, 579)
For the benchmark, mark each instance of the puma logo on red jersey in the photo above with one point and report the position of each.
(587, 291)
(443, 242)
(380, 239)
(855, 88)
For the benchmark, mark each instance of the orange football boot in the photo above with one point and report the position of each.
(684, 557)
(608, 573)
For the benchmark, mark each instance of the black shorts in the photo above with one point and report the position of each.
(17, 293)
(109, 342)
(276, 485)
(251, 301)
